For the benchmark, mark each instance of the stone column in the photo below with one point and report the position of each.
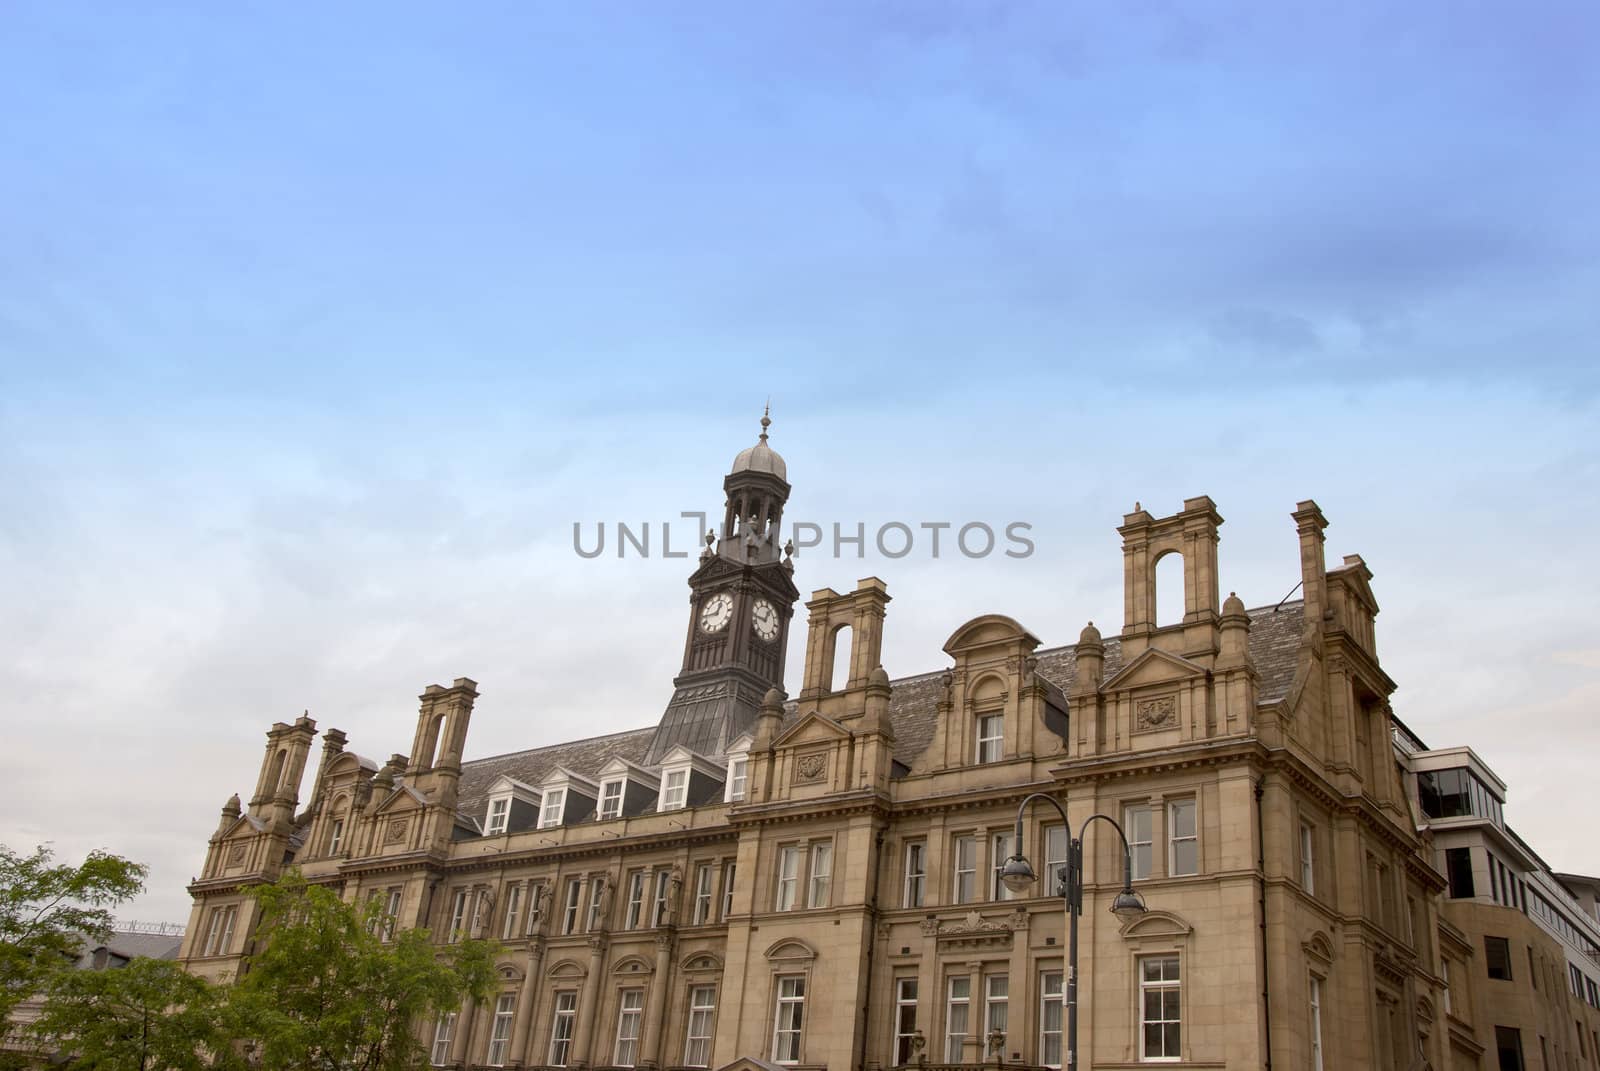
(930, 997)
(525, 1001)
(463, 1038)
(589, 1004)
(661, 996)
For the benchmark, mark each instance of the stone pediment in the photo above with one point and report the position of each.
(716, 568)
(619, 767)
(503, 784)
(565, 968)
(402, 800)
(752, 1063)
(790, 948)
(348, 762)
(1156, 923)
(1154, 667)
(990, 630)
(246, 825)
(701, 961)
(811, 728)
(1355, 575)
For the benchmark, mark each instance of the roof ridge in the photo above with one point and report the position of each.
(552, 747)
(792, 703)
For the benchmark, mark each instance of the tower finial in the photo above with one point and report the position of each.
(766, 418)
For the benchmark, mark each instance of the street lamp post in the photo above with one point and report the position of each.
(1018, 875)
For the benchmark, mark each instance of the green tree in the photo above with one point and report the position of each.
(330, 990)
(150, 1015)
(48, 909)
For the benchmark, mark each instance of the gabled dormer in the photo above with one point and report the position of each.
(566, 798)
(513, 807)
(625, 790)
(736, 786)
(688, 780)
(996, 708)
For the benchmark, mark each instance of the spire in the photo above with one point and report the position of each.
(766, 419)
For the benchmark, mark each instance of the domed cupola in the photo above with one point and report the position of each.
(740, 607)
(757, 489)
(761, 457)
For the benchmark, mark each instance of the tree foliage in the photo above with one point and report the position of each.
(329, 986)
(48, 909)
(330, 990)
(150, 1015)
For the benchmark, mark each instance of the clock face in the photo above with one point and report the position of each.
(716, 612)
(766, 620)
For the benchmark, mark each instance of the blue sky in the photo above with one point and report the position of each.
(319, 328)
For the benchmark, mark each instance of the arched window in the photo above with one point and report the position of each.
(1168, 579)
(275, 776)
(839, 659)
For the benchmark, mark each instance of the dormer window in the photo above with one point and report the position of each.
(687, 777)
(566, 798)
(554, 803)
(991, 737)
(624, 791)
(738, 778)
(499, 815)
(512, 808)
(611, 798)
(336, 836)
(674, 789)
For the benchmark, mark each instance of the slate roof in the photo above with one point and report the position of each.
(1274, 641)
(531, 767)
(127, 946)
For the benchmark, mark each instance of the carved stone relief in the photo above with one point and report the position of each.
(809, 768)
(1158, 713)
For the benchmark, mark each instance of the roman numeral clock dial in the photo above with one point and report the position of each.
(766, 621)
(716, 613)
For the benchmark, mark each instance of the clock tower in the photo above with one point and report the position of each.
(742, 597)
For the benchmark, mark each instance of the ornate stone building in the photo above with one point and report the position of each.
(813, 882)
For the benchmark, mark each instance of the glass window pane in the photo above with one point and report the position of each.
(1183, 819)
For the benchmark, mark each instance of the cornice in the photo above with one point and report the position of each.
(1137, 763)
(1340, 644)
(836, 805)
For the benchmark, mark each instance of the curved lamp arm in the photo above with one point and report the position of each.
(1127, 852)
(1023, 807)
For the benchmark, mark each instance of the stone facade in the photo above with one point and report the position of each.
(813, 882)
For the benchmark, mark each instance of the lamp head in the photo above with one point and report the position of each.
(1128, 905)
(1017, 874)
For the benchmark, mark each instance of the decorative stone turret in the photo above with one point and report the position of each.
(278, 787)
(333, 741)
(1235, 634)
(770, 718)
(862, 612)
(875, 754)
(1090, 658)
(230, 813)
(1191, 533)
(1310, 523)
(1235, 673)
(769, 724)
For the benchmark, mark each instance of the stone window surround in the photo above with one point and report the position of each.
(788, 958)
(806, 852)
(1160, 804)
